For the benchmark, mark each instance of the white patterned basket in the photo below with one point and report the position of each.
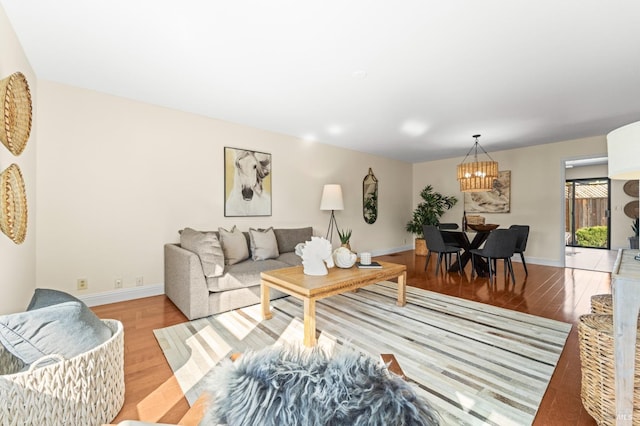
(85, 390)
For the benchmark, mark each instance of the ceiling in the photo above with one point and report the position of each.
(411, 80)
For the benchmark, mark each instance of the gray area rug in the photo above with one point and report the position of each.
(475, 363)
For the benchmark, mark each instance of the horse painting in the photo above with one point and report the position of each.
(247, 195)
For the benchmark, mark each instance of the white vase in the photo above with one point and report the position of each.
(344, 258)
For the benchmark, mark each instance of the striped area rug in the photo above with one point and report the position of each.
(477, 364)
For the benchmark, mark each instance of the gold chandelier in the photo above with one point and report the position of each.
(477, 176)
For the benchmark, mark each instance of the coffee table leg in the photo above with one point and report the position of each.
(309, 322)
(264, 301)
(402, 289)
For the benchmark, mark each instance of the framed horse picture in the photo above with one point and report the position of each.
(247, 183)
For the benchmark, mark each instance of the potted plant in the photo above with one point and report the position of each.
(345, 236)
(428, 212)
(633, 241)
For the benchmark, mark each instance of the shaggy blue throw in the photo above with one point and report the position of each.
(291, 386)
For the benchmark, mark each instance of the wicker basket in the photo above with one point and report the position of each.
(421, 247)
(602, 304)
(15, 105)
(474, 219)
(13, 204)
(595, 334)
(85, 390)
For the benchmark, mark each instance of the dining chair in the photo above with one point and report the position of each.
(449, 239)
(521, 243)
(435, 243)
(449, 226)
(501, 244)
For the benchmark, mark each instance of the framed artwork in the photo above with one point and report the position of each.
(247, 183)
(498, 200)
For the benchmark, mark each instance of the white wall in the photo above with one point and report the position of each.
(118, 178)
(17, 271)
(537, 191)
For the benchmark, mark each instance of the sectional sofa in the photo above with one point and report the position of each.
(210, 272)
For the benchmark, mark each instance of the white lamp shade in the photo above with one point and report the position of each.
(623, 150)
(332, 197)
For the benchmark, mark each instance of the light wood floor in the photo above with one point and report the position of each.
(557, 293)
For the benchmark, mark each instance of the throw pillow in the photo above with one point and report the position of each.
(282, 385)
(263, 244)
(43, 297)
(68, 328)
(289, 238)
(208, 248)
(234, 245)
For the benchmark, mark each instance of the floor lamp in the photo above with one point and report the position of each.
(332, 200)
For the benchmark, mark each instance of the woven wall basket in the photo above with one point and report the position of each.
(86, 390)
(13, 204)
(16, 112)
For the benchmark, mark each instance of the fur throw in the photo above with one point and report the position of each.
(293, 386)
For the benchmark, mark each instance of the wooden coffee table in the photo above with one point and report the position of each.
(310, 288)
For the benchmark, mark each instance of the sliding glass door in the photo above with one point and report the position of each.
(587, 219)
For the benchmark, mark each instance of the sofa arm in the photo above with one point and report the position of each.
(184, 281)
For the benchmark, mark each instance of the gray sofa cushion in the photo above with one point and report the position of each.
(208, 248)
(243, 274)
(289, 238)
(290, 258)
(234, 245)
(263, 244)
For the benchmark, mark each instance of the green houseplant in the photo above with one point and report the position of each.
(428, 212)
(345, 236)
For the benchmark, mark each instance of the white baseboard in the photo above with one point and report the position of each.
(123, 294)
(391, 250)
(537, 261)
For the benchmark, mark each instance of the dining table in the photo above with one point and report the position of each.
(461, 239)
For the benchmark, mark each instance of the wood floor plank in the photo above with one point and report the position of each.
(556, 293)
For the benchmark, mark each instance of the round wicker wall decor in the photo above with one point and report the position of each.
(13, 204)
(15, 104)
(631, 188)
(631, 209)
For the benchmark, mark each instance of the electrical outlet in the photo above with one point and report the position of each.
(83, 284)
(139, 281)
(117, 283)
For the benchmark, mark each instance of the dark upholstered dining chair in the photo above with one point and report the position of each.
(448, 226)
(521, 243)
(436, 244)
(447, 237)
(501, 244)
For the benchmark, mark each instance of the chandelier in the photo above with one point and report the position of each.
(477, 176)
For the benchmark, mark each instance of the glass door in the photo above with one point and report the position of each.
(587, 221)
